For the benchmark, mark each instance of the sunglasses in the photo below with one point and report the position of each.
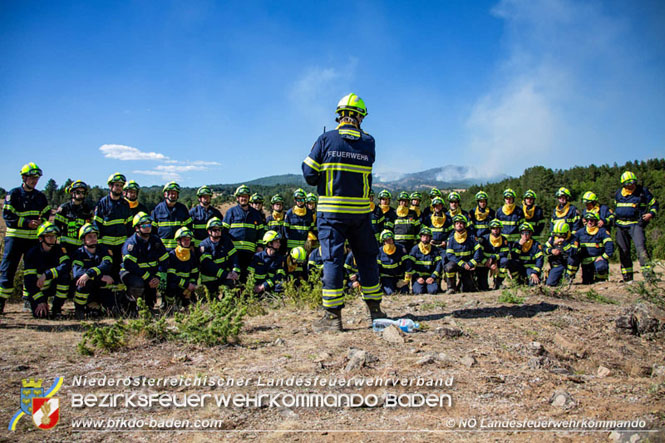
(146, 225)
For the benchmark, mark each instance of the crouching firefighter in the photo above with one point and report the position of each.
(268, 265)
(144, 258)
(182, 272)
(596, 248)
(527, 259)
(219, 259)
(392, 264)
(47, 273)
(561, 250)
(463, 254)
(495, 252)
(91, 268)
(340, 165)
(424, 266)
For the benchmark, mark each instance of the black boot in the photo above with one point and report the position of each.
(2, 305)
(330, 322)
(374, 307)
(451, 285)
(498, 282)
(56, 311)
(79, 311)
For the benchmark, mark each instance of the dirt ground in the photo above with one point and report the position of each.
(548, 358)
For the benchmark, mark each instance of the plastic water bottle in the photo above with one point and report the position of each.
(405, 324)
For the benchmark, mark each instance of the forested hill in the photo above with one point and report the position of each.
(602, 180)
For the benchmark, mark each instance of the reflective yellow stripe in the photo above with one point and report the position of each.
(309, 161)
(346, 167)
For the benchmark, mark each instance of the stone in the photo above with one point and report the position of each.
(425, 360)
(658, 371)
(562, 400)
(450, 332)
(641, 319)
(392, 334)
(357, 359)
(536, 362)
(536, 348)
(279, 342)
(602, 372)
(469, 361)
(571, 348)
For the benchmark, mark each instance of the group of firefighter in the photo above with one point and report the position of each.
(107, 256)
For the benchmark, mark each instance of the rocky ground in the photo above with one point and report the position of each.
(571, 356)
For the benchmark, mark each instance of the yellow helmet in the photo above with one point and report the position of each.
(298, 254)
(271, 236)
(628, 177)
(352, 102)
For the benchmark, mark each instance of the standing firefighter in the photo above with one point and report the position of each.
(170, 215)
(340, 165)
(635, 207)
(131, 191)
(24, 211)
(299, 224)
(202, 213)
(72, 215)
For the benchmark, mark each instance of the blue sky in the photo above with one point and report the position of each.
(221, 92)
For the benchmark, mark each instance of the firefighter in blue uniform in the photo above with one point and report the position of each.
(439, 224)
(427, 212)
(311, 201)
(511, 216)
(407, 223)
(46, 273)
(24, 211)
(245, 227)
(91, 269)
(423, 267)
(605, 214)
(340, 165)
(299, 222)
(635, 207)
(562, 251)
(416, 197)
(389, 214)
(596, 249)
(392, 265)
(377, 217)
(202, 213)
(275, 220)
(463, 254)
(565, 211)
(481, 215)
(526, 257)
(114, 220)
(71, 215)
(170, 215)
(533, 213)
(219, 259)
(144, 258)
(454, 208)
(495, 257)
(268, 265)
(182, 272)
(131, 191)
(256, 200)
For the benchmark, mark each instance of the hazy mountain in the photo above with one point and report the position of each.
(444, 177)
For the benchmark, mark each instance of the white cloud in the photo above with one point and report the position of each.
(122, 152)
(174, 172)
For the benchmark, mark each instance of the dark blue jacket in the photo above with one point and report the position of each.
(533, 258)
(631, 208)
(169, 220)
(54, 264)
(494, 252)
(314, 261)
(605, 214)
(392, 265)
(244, 227)
(468, 252)
(69, 218)
(144, 258)
(572, 217)
(340, 165)
(481, 227)
(537, 220)
(20, 208)
(511, 223)
(424, 265)
(217, 259)
(200, 217)
(114, 221)
(596, 245)
(297, 227)
(440, 234)
(94, 264)
(181, 273)
(268, 269)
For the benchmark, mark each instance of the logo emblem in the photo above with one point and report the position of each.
(46, 412)
(44, 409)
